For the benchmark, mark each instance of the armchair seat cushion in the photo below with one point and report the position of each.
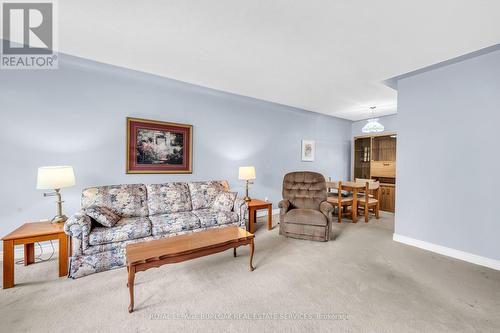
(306, 216)
(125, 229)
(173, 223)
(211, 217)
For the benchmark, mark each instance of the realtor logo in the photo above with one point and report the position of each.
(28, 36)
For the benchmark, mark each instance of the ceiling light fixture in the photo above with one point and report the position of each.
(372, 125)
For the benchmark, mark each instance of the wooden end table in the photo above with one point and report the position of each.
(155, 253)
(253, 206)
(27, 235)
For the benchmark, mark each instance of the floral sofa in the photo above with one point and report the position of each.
(147, 212)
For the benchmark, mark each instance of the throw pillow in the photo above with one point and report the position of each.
(224, 201)
(103, 215)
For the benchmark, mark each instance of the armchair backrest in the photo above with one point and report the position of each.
(304, 189)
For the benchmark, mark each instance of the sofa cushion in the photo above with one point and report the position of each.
(168, 198)
(124, 200)
(125, 229)
(224, 201)
(174, 222)
(305, 216)
(203, 193)
(102, 215)
(211, 217)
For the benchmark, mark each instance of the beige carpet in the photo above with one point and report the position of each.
(360, 282)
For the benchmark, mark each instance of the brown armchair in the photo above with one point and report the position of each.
(304, 211)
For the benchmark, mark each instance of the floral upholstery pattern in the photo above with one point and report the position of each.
(114, 246)
(203, 193)
(126, 228)
(97, 249)
(78, 227)
(124, 200)
(102, 215)
(98, 262)
(240, 207)
(168, 198)
(210, 217)
(224, 201)
(174, 222)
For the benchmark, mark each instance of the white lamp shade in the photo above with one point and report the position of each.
(55, 177)
(247, 173)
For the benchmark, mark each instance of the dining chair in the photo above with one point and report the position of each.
(370, 199)
(363, 180)
(341, 202)
(330, 191)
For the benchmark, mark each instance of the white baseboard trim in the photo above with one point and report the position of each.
(457, 254)
(46, 248)
(263, 212)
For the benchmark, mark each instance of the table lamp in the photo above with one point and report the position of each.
(247, 173)
(55, 178)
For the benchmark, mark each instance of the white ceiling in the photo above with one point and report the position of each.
(326, 56)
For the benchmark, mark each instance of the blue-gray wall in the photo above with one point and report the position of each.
(76, 116)
(449, 156)
(389, 122)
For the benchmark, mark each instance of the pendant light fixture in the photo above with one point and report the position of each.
(372, 125)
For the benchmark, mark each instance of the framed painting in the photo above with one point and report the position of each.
(159, 147)
(308, 150)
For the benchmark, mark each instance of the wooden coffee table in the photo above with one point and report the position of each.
(155, 253)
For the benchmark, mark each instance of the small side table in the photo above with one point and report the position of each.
(28, 234)
(253, 206)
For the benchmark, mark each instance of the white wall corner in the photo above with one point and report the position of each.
(446, 251)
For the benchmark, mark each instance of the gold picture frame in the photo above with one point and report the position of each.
(158, 147)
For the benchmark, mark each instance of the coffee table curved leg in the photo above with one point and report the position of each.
(252, 249)
(131, 277)
(234, 252)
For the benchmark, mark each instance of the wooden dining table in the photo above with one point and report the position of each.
(349, 186)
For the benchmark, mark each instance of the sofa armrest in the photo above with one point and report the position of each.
(240, 207)
(78, 226)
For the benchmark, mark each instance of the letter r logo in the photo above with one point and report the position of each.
(27, 28)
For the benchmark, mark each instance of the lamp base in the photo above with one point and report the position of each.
(247, 198)
(59, 219)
